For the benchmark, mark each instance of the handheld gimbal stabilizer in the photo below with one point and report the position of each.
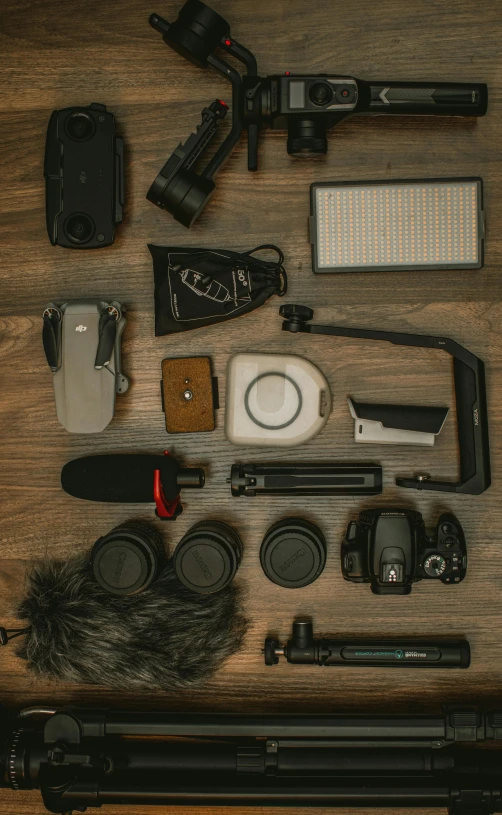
(304, 105)
(82, 758)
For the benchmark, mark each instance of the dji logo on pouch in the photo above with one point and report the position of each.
(80, 328)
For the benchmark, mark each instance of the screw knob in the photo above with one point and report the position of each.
(296, 313)
(271, 658)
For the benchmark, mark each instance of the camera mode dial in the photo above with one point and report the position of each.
(434, 565)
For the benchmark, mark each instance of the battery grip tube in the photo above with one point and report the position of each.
(303, 649)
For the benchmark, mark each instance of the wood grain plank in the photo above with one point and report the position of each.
(54, 54)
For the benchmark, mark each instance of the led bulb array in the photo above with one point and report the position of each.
(402, 225)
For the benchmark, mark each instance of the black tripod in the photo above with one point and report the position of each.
(87, 758)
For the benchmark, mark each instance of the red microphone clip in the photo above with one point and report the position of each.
(166, 510)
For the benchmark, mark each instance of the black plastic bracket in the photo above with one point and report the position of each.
(470, 397)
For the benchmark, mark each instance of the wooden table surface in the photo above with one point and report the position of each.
(55, 54)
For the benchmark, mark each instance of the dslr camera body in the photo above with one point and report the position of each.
(84, 177)
(391, 549)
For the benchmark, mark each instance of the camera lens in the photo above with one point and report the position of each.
(208, 556)
(321, 93)
(128, 559)
(79, 227)
(293, 553)
(80, 126)
(345, 94)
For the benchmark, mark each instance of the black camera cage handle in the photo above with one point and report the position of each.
(470, 397)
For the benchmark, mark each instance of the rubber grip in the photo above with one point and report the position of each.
(429, 98)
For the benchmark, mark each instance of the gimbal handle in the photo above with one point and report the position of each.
(427, 98)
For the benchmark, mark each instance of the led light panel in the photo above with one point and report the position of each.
(375, 226)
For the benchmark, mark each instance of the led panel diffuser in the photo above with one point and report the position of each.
(378, 225)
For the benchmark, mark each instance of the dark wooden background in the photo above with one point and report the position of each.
(54, 54)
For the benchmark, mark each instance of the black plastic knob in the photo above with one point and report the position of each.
(271, 657)
(303, 633)
(345, 94)
(295, 312)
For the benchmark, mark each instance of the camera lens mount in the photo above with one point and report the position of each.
(79, 227)
(80, 126)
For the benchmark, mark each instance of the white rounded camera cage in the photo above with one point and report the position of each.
(274, 400)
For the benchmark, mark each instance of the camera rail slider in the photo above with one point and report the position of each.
(470, 397)
(84, 758)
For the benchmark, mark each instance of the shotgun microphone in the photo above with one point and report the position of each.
(131, 479)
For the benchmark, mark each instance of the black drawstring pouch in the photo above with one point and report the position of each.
(198, 287)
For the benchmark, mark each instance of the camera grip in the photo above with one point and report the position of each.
(429, 98)
(472, 424)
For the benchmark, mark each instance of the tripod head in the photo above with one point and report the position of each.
(305, 105)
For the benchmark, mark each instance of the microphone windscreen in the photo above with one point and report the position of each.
(125, 479)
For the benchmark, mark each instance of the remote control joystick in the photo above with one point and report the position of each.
(321, 93)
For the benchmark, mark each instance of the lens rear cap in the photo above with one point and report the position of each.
(293, 553)
(203, 564)
(123, 566)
